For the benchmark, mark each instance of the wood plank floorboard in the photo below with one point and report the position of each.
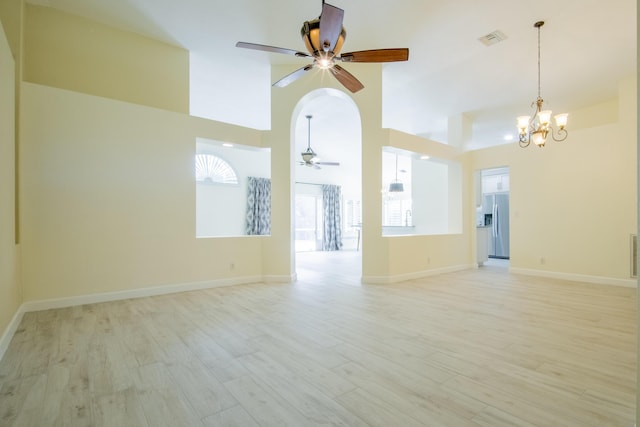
(478, 347)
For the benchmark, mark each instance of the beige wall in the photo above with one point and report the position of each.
(108, 198)
(74, 53)
(574, 203)
(11, 16)
(637, 130)
(10, 298)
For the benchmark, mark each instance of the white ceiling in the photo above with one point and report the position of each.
(587, 46)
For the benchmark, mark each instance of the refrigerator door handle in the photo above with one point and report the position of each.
(495, 220)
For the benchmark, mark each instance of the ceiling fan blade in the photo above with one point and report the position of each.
(290, 78)
(327, 163)
(273, 49)
(330, 26)
(376, 55)
(346, 78)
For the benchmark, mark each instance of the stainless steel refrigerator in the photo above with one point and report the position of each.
(496, 209)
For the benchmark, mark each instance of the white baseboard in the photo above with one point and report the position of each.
(386, 280)
(49, 304)
(627, 283)
(10, 331)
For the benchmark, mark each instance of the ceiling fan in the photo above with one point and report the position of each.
(323, 38)
(309, 157)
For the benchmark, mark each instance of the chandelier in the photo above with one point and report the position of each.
(538, 127)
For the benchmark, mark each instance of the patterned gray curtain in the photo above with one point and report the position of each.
(258, 206)
(332, 236)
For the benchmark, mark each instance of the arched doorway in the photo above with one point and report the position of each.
(334, 133)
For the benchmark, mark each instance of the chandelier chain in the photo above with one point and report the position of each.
(539, 61)
(309, 132)
(536, 128)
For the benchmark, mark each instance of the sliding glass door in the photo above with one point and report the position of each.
(308, 222)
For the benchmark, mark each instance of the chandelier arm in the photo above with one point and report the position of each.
(562, 134)
(524, 141)
(536, 105)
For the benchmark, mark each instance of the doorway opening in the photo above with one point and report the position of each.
(492, 217)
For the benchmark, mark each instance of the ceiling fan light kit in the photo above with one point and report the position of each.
(324, 37)
(538, 127)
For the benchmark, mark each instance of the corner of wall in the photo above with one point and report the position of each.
(10, 278)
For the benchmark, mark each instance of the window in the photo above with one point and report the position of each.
(354, 213)
(397, 167)
(221, 176)
(396, 212)
(211, 168)
(431, 200)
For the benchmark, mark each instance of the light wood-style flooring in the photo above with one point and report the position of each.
(474, 348)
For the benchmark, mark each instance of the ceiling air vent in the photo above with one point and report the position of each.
(492, 38)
